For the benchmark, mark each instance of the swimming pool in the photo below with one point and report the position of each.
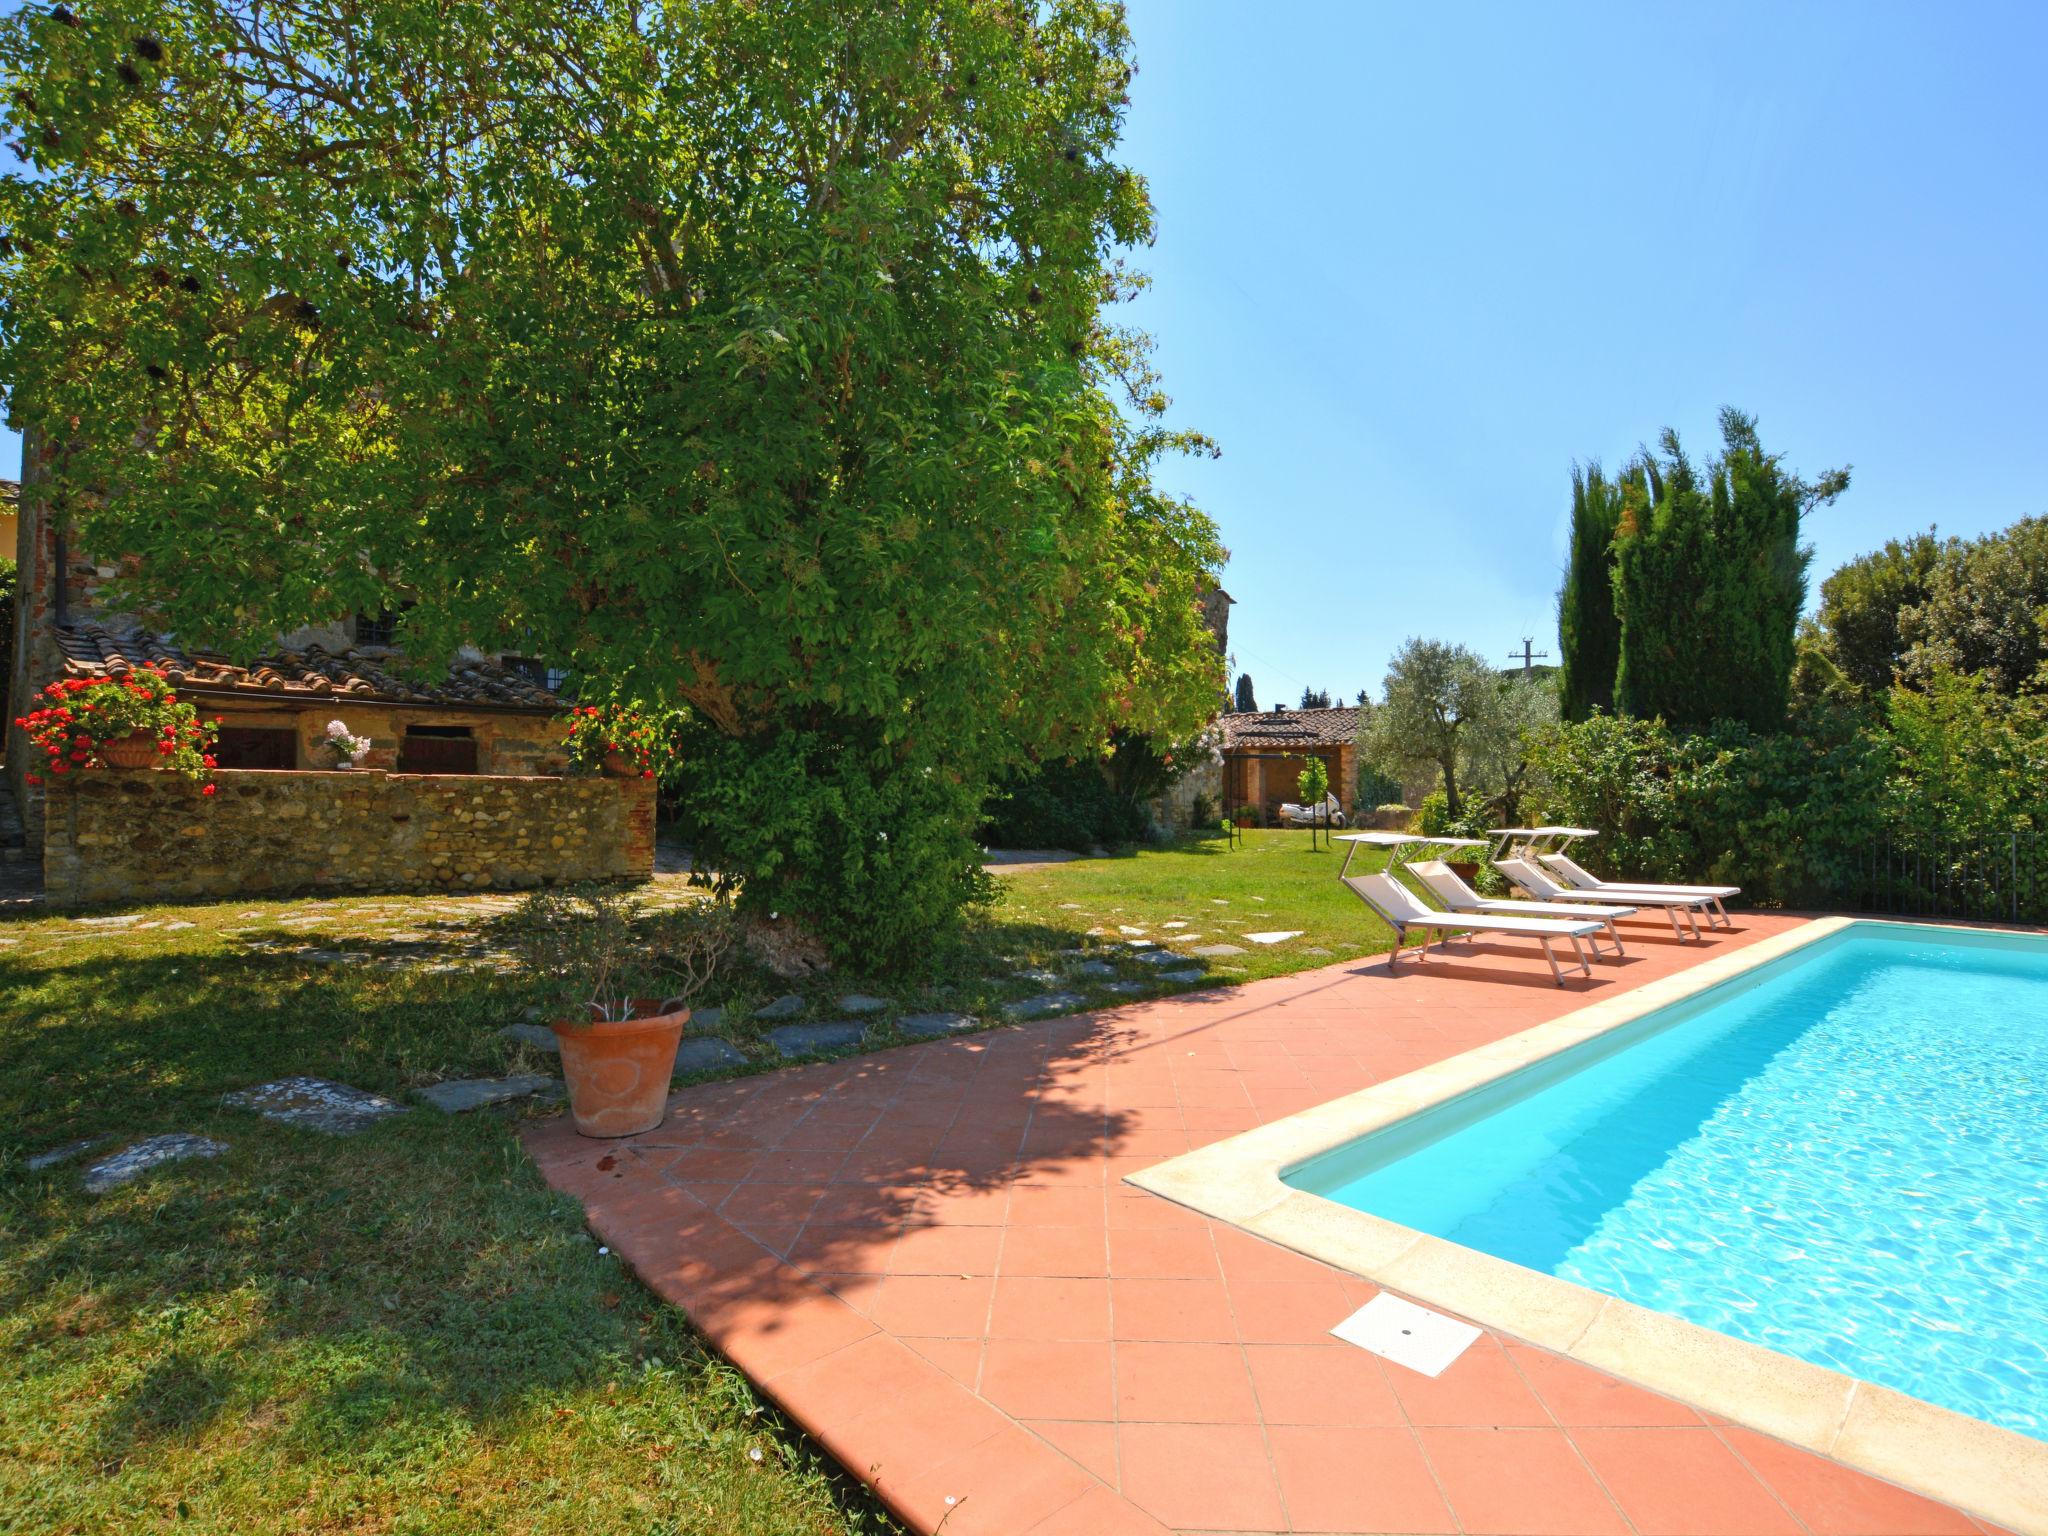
(1841, 1155)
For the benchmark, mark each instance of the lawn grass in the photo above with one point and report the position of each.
(1272, 882)
(406, 1331)
(403, 1331)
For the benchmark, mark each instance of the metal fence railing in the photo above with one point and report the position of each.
(2000, 878)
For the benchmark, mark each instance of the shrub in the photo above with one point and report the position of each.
(1201, 811)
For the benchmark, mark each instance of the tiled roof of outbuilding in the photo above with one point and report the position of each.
(292, 676)
(1290, 728)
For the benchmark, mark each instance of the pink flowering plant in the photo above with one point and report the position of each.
(76, 718)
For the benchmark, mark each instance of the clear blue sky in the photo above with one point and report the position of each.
(1413, 261)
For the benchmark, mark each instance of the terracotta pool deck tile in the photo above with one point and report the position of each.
(1328, 1384)
(1092, 1446)
(1163, 1253)
(1056, 1253)
(1049, 1379)
(1201, 1477)
(1683, 1482)
(933, 1306)
(1184, 1384)
(946, 1251)
(1006, 1151)
(1288, 1311)
(1031, 1307)
(1480, 1389)
(1357, 1481)
(1835, 1501)
(1519, 1482)
(1580, 1397)
(1171, 1311)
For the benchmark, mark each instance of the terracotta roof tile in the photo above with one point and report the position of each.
(1290, 728)
(93, 650)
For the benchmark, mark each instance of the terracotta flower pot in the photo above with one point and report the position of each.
(134, 751)
(618, 1071)
(1464, 869)
(620, 766)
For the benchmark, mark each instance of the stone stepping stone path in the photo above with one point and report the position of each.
(707, 1054)
(316, 1104)
(794, 1040)
(782, 1008)
(1278, 936)
(109, 922)
(1040, 976)
(1160, 957)
(1183, 977)
(465, 1094)
(131, 1163)
(1217, 951)
(1124, 988)
(929, 1026)
(860, 1002)
(1043, 1004)
(1095, 969)
(63, 1154)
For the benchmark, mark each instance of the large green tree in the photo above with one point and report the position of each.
(1983, 610)
(748, 354)
(1709, 579)
(1862, 603)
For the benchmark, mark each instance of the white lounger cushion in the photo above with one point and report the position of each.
(1534, 880)
(1399, 905)
(1444, 884)
(1587, 881)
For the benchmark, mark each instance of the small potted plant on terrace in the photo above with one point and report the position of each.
(619, 982)
(613, 738)
(132, 722)
(347, 747)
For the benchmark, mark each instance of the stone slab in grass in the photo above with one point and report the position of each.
(793, 1040)
(707, 1054)
(1046, 1002)
(316, 1104)
(1124, 988)
(1217, 951)
(929, 1026)
(1192, 974)
(707, 1018)
(131, 1163)
(63, 1154)
(782, 1008)
(860, 1002)
(468, 1093)
(1279, 936)
(1160, 957)
(539, 1036)
(1095, 969)
(1039, 976)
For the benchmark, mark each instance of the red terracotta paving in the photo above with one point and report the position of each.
(929, 1259)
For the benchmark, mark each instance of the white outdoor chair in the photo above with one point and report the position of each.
(1526, 875)
(1400, 910)
(1442, 882)
(1583, 880)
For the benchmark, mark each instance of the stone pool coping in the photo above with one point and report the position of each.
(1994, 1472)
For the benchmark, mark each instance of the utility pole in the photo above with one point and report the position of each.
(1528, 656)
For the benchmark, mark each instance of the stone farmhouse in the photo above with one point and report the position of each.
(464, 786)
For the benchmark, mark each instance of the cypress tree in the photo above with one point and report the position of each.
(1247, 701)
(1709, 578)
(1588, 633)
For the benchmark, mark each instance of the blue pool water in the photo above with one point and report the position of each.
(1842, 1156)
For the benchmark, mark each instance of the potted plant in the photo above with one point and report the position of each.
(132, 722)
(613, 738)
(347, 747)
(619, 982)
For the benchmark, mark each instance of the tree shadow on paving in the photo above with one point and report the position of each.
(883, 1179)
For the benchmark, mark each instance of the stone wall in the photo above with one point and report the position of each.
(153, 836)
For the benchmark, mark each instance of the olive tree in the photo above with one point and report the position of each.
(1437, 697)
(749, 355)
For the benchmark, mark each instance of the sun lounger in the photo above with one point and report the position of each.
(1526, 875)
(1583, 880)
(1442, 882)
(1400, 909)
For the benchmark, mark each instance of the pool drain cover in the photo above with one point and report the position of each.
(1406, 1334)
